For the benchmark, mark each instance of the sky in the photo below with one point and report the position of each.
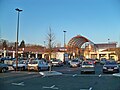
(97, 20)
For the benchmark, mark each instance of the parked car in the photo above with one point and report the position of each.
(92, 60)
(57, 62)
(118, 61)
(3, 67)
(75, 63)
(87, 66)
(97, 60)
(103, 61)
(38, 65)
(111, 66)
(22, 65)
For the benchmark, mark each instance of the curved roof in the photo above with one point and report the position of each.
(77, 41)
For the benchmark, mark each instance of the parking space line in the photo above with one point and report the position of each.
(52, 87)
(87, 89)
(87, 75)
(18, 84)
(74, 75)
(99, 75)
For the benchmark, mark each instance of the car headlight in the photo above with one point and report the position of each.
(104, 67)
(83, 66)
(116, 67)
(91, 66)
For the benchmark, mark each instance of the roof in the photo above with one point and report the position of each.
(77, 41)
(34, 49)
(106, 45)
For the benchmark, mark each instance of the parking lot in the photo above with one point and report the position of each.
(71, 79)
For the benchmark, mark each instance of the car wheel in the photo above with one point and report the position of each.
(15, 69)
(39, 68)
(3, 70)
(23, 68)
(82, 72)
(104, 72)
(48, 69)
(118, 71)
(93, 72)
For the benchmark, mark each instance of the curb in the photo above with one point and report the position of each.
(50, 73)
(116, 74)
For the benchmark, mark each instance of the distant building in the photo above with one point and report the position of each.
(91, 50)
(103, 50)
(72, 50)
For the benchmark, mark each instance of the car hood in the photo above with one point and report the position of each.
(110, 65)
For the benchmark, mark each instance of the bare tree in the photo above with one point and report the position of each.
(51, 41)
(22, 44)
(5, 44)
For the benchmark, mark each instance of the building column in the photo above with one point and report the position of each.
(28, 55)
(43, 55)
(4, 53)
(98, 56)
(13, 54)
(107, 55)
(36, 55)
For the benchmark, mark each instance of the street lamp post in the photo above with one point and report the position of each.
(64, 45)
(108, 48)
(17, 33)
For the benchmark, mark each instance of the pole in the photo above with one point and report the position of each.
(108, 48)
(64, 45)
(17, 33)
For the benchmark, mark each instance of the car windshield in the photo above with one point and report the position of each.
(74, 60)
(87, 63)
(55, 60)
(33, 62)
(21, 62)
(111, 63)
(103, 59)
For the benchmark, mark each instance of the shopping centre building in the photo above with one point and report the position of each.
(78, 46)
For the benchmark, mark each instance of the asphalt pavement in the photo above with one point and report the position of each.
(70, 79)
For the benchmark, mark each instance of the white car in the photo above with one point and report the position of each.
(57, 62)
(38, 65)
(87, 66)
(75, 63)
(22, 65)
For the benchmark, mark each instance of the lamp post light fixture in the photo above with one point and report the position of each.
(17, 33)
(64, 45)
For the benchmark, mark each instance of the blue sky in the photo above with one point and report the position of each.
(97, 20)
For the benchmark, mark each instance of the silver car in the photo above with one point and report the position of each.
(87, 66)
(22, 65)
(57, 62)
(38, 65)
(75, 63)
(3, 67)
